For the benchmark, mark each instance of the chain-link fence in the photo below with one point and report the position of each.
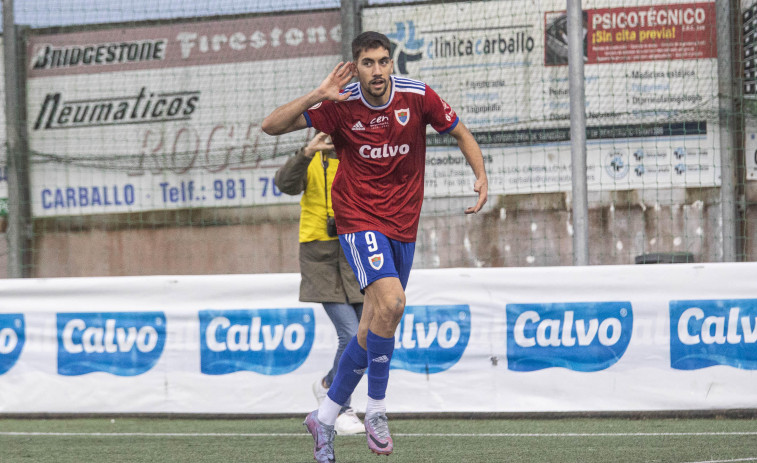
(145, 153)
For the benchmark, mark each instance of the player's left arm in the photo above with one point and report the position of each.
(472, 153)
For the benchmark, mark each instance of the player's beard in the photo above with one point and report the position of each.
(376, 94)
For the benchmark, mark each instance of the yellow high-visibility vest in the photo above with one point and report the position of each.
(313, 202)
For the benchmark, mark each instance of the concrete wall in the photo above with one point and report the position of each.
(259, 240)
(525, 230)
(536, 230)
(3, 248)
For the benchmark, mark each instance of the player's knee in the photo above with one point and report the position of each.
(392, 308)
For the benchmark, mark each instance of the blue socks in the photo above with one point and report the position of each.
(352, 365)
(380, 351)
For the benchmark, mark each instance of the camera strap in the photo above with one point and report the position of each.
(325, 164)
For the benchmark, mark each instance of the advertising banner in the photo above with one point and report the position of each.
(650, 91)
(647, 33)
(168, 116)
(749, 47)
(550, 339)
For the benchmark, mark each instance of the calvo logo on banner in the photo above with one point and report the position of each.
(266, 341)
(580, 336)
(705, 333)
(12, 339)
(119, 343)
(431, 338)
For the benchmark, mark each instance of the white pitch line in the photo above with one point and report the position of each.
(151, 434)
(598, 434)
(725, 461)
(211, 434)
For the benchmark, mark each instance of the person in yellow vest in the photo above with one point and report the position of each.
(327, 277)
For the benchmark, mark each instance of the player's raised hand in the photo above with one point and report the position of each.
(321, 142)
(336, 80)
(482, 188)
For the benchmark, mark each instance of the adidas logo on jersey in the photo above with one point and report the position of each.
(358, 126)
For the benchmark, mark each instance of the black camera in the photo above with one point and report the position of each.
(331, 226)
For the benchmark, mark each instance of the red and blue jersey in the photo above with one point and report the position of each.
(382, 155)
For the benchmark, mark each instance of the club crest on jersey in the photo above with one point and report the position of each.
(376, 261)
(402, 115)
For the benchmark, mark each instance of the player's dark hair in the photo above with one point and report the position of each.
(369, 40)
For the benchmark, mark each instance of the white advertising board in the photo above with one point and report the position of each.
(168, 116)
(615, 338)
(749, 48)
(650, 89)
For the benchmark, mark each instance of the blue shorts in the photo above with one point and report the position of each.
(373, 256)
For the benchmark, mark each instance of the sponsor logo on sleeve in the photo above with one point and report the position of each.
(583, 336)
(119, 343)
(266, 341)
(12, 338)
(449, 113)
(431, 338)
(705, 333)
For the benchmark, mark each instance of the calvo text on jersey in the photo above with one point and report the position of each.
(383, 151)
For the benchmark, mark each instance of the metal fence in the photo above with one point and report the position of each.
(134, 144)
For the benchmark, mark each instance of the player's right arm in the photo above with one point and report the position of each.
(289, 117)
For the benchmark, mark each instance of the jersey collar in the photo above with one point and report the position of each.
(385, 105)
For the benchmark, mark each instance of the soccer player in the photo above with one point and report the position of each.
(378, 127)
